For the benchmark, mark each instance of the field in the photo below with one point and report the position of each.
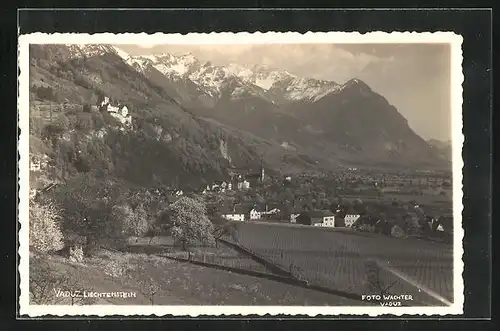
(342, 259)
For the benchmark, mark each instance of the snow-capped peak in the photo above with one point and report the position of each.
(213, 79)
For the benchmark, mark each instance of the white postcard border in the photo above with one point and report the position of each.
(239, 38)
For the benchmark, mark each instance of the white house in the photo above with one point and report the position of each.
(438, 228)
(255, 214)
(234, 216)
(329, 221)
(112, 109)
(293, 217)
(229, 186)
(244, 185)
(37, 162)
(349, 219)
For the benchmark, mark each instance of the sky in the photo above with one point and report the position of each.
(415, 78)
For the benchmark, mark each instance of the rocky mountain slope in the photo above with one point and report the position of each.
(166, 144)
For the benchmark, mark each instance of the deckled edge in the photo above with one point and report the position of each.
(457, 78)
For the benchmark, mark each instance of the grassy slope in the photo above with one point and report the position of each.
(185, 284)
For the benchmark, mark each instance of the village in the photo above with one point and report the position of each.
(251, 196)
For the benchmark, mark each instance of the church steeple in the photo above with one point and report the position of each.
(262, 174)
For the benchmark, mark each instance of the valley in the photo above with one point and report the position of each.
(126, 148)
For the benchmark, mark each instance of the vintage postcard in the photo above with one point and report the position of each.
(315, 174)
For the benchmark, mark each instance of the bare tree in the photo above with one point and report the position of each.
(374, 279)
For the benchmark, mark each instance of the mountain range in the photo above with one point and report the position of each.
(230, 116)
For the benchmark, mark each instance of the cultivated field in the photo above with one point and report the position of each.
(342, 259)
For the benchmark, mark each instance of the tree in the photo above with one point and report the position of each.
(189, 222)
(374, 279)
(148, 286)
(44, 227)
(124, 215)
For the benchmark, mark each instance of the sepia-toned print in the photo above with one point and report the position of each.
(240, 174)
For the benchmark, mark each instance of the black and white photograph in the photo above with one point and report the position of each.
(268, 173)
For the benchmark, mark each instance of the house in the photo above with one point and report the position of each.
(112, 109)
(234, 214)
(35, 164)
(120, 112)
(349, 219)
(255, 214)
(293, 217)
(442, 224)
(244, 185)
(323, 218)
(38, 162)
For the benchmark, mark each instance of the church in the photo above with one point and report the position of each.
(243, 178)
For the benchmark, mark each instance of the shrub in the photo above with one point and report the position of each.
(86, 108)
(76, 254)
(397, 232)
(366, 228)
(44, 228)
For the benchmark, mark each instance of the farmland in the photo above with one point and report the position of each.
(341, 259)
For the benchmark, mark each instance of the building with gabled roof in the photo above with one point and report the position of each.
(316, 218)
(236, 213)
